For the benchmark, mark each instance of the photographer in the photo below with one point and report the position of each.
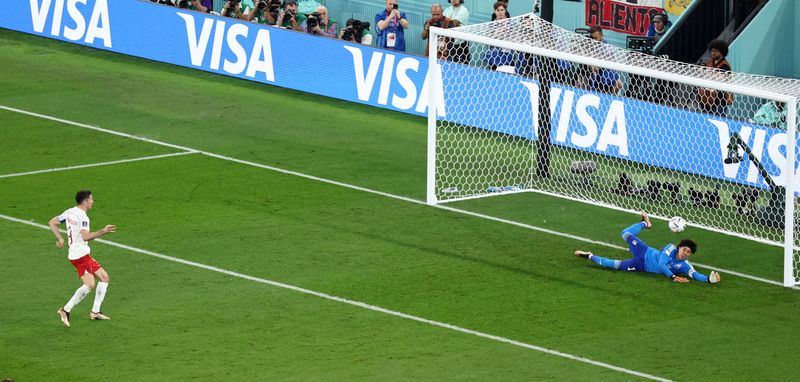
(289, 17)
(356, 31)
(318, 23)
(232, 8)
(203, 6)
(265, 12)
(437, 20)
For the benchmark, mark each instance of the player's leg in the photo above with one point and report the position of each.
(637, 227)
(608, 263)
(636, 246)
(78, 296)
(100, 295)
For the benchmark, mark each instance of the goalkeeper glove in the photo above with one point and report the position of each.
(713, 277)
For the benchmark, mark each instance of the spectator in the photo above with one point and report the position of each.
(601, 79)
(711, 100)
(772, 113)
(204, 6)
(505, 6)
(391, 25)
(658, 26)
(356, 31)
(437, 20)
(326, 26)
(498, 58)
(460, 15)
(289, 17)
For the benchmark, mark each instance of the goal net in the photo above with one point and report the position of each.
(530, 107)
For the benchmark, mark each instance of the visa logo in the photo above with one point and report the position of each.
(410, 96)
(757, 139)
(97, 28)
(231, 38)
(587, 132)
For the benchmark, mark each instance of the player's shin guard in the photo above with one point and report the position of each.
(608, 263)
(99, 296)
(77, 297)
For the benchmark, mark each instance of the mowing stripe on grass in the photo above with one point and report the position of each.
(358, 304)
(381, 193)
(97, 164)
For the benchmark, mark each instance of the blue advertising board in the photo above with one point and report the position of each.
(617, 127)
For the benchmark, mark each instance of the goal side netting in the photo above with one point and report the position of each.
(529, 107)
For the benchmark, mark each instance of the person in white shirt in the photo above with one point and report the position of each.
(79, 235)
(459, 51)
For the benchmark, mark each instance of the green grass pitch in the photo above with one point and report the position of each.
(172, 321)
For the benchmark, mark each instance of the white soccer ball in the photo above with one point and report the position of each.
(677, 224)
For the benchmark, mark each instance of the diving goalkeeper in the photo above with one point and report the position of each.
(671, 261)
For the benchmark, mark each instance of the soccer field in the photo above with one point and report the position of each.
(267, 234)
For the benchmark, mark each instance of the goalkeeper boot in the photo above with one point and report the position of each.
(583, 254)
(99, 316)
(646, 220)
(64, 316)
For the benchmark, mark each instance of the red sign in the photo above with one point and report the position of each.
(626, 16)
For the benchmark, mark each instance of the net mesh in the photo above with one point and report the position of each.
(615, 137)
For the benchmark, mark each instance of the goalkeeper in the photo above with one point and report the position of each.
(671, 261)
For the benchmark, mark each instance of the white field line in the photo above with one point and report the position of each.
(363, 189)
(96, 164)
(359, 304)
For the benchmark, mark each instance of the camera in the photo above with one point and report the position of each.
(313, 20)
(232, 8)
(354, 30)
(261, 4)
(641, 44)
(360, 25)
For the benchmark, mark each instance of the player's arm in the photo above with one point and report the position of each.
(87, 236)
(664, 270)
(53, 223)
(712, 278)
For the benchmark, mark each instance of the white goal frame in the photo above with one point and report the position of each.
(435, 94)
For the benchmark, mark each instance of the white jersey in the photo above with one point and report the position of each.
(76, 220)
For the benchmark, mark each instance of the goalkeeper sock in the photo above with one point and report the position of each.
(608, 263)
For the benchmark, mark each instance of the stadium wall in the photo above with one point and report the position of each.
(593, 122)
(768, 45)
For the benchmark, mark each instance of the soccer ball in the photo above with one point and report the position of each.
(677, 224)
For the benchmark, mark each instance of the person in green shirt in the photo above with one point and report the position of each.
(771, 113)
(289, 17)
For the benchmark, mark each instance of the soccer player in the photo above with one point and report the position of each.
(671, 261)
(79, 235)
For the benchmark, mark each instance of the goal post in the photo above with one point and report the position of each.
(530, 107)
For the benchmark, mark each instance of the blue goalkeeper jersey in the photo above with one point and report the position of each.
(664, 262)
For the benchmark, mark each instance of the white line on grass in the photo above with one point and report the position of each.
(363, 189)
(97, 164)
(359, 304)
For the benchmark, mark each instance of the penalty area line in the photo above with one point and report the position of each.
(359, 304)
(364, 189)
(56, 169)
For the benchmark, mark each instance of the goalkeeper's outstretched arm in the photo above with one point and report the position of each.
(712, 278)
